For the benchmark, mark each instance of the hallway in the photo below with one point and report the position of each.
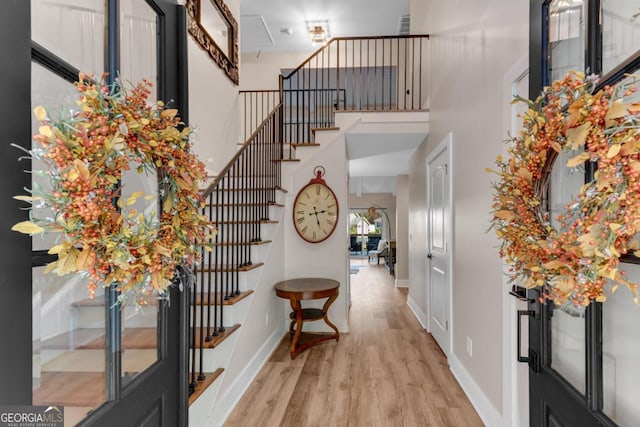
(387, 371)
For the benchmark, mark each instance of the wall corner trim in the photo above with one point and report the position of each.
(417, 311)
(487, 412)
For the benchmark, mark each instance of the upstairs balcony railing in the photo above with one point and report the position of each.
(348, 74)
(353, 74)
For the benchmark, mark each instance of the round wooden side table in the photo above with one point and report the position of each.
(296, 290)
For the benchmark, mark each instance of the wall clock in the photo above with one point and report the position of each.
(315, 209)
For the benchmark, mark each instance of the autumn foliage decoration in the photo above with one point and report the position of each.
(101, 234)
(578, 261)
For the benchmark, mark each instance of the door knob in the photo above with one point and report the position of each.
(429, 256)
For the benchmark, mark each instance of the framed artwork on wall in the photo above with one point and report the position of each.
(215, 30)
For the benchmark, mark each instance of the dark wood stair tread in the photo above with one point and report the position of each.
(230, 268)
(93, 339)
(231, 301)
(280, 205)
(286, 160)
(99, 300)
(201, 386)
(252, 243)
(314, 130)
(258, 221)
(216, 340)
(304, 144)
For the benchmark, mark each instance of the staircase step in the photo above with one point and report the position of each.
(305, 144)
(231, 301)
(99, 300)
(314, 130)
(280, 205)
(201, 386)
(287, 160)
(93, 338)
(218, 339)
(231, 268)
(251, 243)
(258, 221)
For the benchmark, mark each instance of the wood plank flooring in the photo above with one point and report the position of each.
(387, 371)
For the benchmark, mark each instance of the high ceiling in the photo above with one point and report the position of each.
(375, 159)
(263, 22)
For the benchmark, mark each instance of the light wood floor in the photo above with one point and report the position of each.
(387, 371)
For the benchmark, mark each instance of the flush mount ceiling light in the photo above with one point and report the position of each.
(318, 32)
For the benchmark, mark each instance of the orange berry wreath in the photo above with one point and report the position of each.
(101, 234)
(580, 261)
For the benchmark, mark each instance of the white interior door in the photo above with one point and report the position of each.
(439, 275)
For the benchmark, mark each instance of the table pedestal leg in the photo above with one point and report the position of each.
(297, 309)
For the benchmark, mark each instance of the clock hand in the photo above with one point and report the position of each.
(315, 212)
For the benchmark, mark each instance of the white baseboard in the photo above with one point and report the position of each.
(402, 283)
(417, 311)
(228, 402)
(489, 415)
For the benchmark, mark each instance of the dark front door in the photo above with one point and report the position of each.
(583, 368)
(105, 365)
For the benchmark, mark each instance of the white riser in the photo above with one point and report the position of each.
(201, 408)
(232, 313)
(214, 358)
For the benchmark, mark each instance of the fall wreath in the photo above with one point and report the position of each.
(101, 234)
(577, 261)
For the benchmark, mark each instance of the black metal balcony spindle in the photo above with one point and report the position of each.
(219, 195)
(201, 329)
(192, 338)
(209, 275)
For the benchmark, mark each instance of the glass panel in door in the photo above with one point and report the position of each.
(620, 31)
(566, 37)
(71, 29)
(620, 355)
(68, 327)
(567, 323)
(138, 61)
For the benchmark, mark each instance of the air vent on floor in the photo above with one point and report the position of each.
(404, 26)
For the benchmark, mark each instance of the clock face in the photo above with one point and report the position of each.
(315, 212)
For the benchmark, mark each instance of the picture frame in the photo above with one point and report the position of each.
(213, 27)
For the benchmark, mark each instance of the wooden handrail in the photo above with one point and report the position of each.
(244, 146)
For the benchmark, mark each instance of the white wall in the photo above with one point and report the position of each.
(213, 105)
(402, 230)
(330, 257)
(260, 71)
(473, 44)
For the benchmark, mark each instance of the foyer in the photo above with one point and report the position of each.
(387, 371)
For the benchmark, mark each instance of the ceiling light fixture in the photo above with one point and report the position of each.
(318, 32)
